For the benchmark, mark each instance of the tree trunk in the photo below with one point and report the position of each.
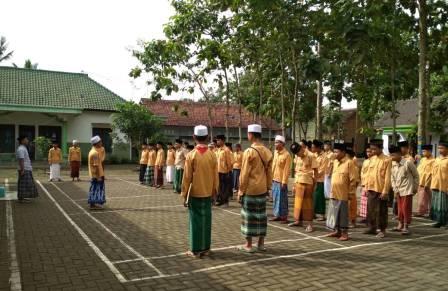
(295, 96)
(240, 110)
(226, 122)
(261, 95)
(282, 97)
(394, 103)
(319, 104)
(422, 92)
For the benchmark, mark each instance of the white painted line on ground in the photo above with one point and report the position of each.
(131, 249)
(123, 197)
(292, 231)
(292, 256)
(213, 249)
(137, 209)
(15, 282)
(89, 242)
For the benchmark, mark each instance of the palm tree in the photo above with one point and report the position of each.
(3, 48)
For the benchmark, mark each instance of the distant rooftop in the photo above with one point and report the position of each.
(41, 88)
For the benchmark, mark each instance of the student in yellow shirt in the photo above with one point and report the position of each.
(158, 166)
(319, 192)
(352, 199)
(281, 169)
(74, 159)
(97, 192)
(55, 159)
(170, 158)
(255, 182)
(225, 166)
(149, 175)
(439, 186)
(343, 185)
(425, 172)
(364, 169)
(237, 161)
(199, 187)
(378, 186)
(306, 171)
(327, 178)
(179, 163)
(143, 162)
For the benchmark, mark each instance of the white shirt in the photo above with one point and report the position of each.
(22, 153)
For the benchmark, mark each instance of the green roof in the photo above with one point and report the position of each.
(53, 90)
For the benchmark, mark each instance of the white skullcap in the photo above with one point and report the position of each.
(75, 141)
(211, 145)
(280, 138)
(254, 128)
(200, 130)
(96, 139)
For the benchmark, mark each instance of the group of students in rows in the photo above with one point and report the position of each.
(322, 173)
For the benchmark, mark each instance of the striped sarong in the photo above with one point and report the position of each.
(439, 207)
(319, 199)
(74, 169)
(200, 235)
(149, 176)
(97, 192)
(178, 176)
(280, 197)
(26, 188)
(363, 205)
(303, 202)
(337, 217)
(253, 213)
(158, 176)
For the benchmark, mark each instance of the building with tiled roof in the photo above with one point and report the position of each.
(181, 116)
(59, 105)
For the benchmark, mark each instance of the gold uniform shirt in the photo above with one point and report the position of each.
(343, 179)
(96, 170)
(170, 157)
(74, 154)
(54, 156)
(281, 167)
(152, 155)
(201, 170)
(160, 158)
(225, 163)
(144, 157)
(378, 177)
(304, 171)
(439, 179)
(256, 174)
(237, 160)
(425, 171)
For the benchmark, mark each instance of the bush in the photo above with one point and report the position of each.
(43, 144)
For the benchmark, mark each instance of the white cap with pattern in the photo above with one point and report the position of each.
(200, 130)
(280, 138)
(254, 128)
(96, 139)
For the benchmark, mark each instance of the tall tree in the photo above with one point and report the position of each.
(4, 53)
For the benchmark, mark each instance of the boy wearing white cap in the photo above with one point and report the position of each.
(74, 160)
(281, 169)
(255, 182)
(199, 188)
(97, 194)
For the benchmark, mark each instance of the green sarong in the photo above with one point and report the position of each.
(200, 210)
(319, 199)
(439, 207)
(177, 185)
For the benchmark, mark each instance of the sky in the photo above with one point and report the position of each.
(91, 36)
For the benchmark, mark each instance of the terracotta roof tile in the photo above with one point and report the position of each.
(190, 113)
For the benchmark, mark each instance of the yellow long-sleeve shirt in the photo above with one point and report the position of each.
(201, 171)
(74, 154)
(281, 166)
(378, 178)
(322, 162)
(152, 155)
(343, 179)
(439, 180)
(160, 158)
(256, 171)
(305, 166)
(54, 156)
(170, 157)
(144, 157)
(425, 171)
(237, 160)
(102, 152)
(364, 171)
(225, 163)
(96, 170)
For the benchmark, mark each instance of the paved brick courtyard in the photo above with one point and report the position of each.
(138, 241)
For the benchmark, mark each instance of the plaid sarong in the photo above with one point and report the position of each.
(200, 235)
(97, 192)
(26, 188)
(337, 217)
(363, 205)
(439, 207)
(253, 213)
(424, 200)
(280, 197)
(74, 169)
(149, 176)
(319, 199)
(177, 186)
